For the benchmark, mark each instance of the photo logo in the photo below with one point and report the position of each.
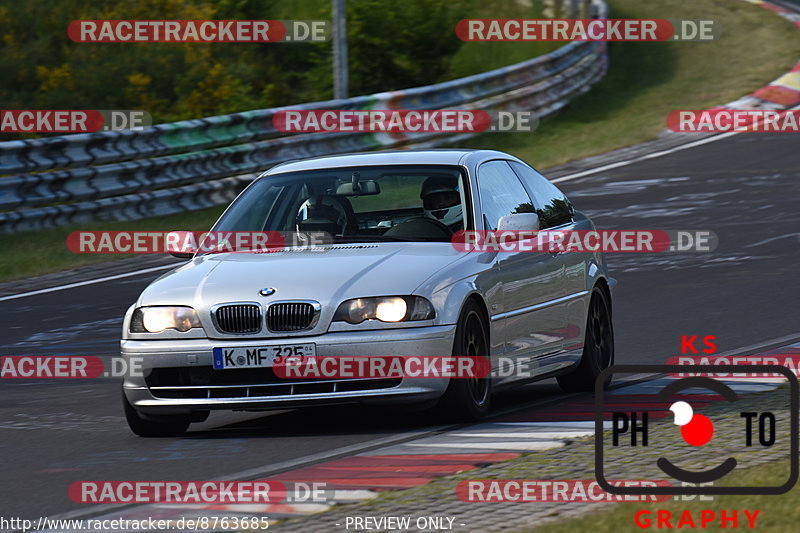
(627, 424)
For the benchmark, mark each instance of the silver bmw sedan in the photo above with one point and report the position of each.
(389, 281)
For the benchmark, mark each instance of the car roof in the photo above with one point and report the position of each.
(389, 157)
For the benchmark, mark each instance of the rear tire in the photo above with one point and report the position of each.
(598, 347)
(468, 399)
(155, 425)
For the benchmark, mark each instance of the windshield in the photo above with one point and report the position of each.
(375, 203)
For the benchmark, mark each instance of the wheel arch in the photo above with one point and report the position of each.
(602, 284)
(481, 303)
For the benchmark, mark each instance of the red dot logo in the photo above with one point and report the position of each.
(696, 429)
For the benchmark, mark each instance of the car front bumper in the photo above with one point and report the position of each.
(196, 387)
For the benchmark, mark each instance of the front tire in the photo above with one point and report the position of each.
(155, 425)
(467, 399)
(598, 347)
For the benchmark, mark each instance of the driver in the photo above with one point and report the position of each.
(441, 201)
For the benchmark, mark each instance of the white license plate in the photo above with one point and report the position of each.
(261, 356)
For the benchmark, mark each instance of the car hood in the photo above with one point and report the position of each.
(330, 276)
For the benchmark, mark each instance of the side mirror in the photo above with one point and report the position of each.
(519, 222)
(174, 248)
(181, 255)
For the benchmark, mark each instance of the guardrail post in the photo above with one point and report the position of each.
(340, 66)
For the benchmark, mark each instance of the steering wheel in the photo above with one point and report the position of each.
(420, 226)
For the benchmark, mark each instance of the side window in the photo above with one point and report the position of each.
(552, 206)
(501, 192)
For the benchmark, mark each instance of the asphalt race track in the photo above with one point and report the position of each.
(745, 188)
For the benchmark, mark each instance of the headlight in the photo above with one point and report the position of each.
(385, 309)
(157, 319)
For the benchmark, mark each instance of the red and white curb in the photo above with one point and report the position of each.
(781, 93)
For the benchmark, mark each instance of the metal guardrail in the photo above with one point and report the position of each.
(182, 166)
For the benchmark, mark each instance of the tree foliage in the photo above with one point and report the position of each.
(392, 45)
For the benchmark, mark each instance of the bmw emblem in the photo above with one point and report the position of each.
(267, 291)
